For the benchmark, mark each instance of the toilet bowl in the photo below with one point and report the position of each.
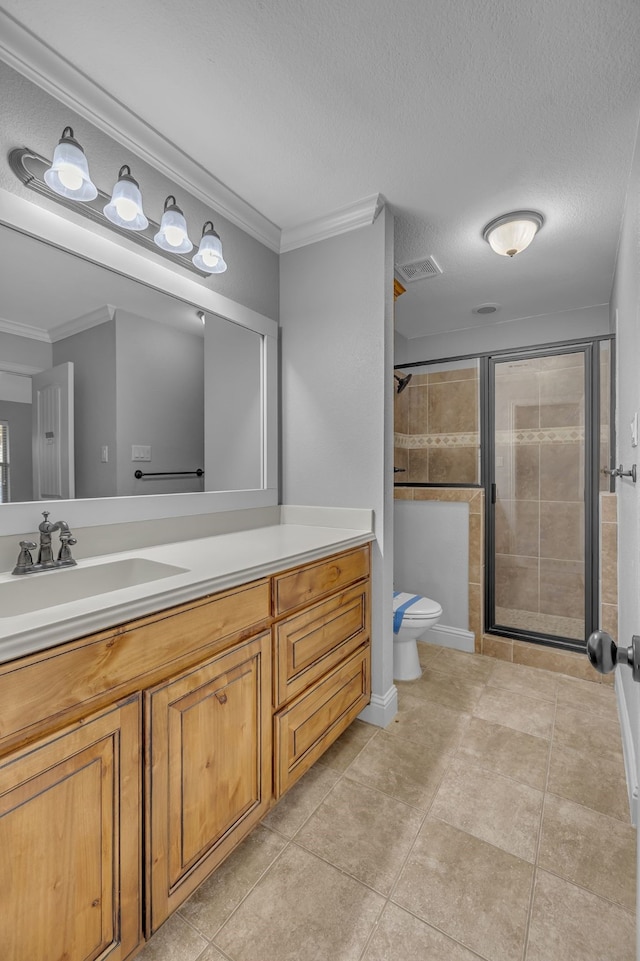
(412, 616)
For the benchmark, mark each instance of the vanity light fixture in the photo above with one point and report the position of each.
(120, 211)
(125, 207)
(68, 174)
(172, 235)
(209, 256)
(512, 233)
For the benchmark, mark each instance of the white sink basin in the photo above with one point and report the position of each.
(33, 592)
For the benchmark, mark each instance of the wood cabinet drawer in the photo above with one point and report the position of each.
(306, 728)
(68, 680)
(307, 584)
(310, 643)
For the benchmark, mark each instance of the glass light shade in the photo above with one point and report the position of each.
(209, 257)
(172, 235)
(511, 234)
(125, 207)
(68, 174)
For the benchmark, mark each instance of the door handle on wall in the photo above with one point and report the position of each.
(604, 653)
(620, 472)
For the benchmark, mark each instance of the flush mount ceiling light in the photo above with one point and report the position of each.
(172, 235)
(209, 256)
(125, 207)
(68, 174)
(512, 233)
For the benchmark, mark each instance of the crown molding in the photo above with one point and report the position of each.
(40, 63)
(23, 370)
(362, 213)
(23, 330)
(95, 317)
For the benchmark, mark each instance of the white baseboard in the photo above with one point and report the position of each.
(628, 750)
(454, 637)
(382, 708)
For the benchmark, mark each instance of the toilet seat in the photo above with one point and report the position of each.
(422, 606)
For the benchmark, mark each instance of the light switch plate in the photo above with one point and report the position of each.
(140, 452)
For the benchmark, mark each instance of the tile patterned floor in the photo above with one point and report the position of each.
(489, 821)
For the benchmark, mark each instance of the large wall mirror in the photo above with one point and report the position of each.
(113, 387)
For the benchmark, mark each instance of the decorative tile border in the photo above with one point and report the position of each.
(435, 441)
(542, 435)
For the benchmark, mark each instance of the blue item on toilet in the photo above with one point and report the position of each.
(399, 612)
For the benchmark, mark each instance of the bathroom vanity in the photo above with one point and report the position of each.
(134, 758)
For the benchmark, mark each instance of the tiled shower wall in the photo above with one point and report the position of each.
(437, 438)
(539, 450)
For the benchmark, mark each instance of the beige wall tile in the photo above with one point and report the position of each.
(609, 508)
(453, 407)
(562, 588)
(562, 472)
(526, 481)
(516, 582)
(418, 417)
(552, 659)
(609, 563)
(499, 647)
(609, 620)
(418, 467)
(445, 376)
(453, 465)
(403, 493)
(562, 530)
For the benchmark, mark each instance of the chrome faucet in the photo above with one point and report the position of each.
(45, 561)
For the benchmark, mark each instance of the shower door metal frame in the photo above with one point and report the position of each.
(591, 353)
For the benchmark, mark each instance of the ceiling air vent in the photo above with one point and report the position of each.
(418, 270)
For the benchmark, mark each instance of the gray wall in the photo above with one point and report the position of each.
(624, 303)
(93, 354)
(233, 406)
(160, 403)
(526, 332)
(431, 555)
(18, 417)
(30, 117)
(336, 341)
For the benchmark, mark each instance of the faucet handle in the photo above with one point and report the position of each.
(25, 560)
(67, 540)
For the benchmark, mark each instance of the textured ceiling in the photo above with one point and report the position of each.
(456, 112)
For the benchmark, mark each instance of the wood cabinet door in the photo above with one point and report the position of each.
(208, 769)
(70, 852)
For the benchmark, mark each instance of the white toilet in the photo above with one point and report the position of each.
(412, 616)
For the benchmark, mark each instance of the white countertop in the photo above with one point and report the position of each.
(211, 564)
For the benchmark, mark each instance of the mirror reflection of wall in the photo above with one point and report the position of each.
(15, 438)
(137, 383)
(140, 374)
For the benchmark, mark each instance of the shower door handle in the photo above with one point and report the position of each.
(604, 653)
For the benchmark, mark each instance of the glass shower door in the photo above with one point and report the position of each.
(540, 488)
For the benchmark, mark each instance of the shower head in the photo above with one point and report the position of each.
(402, 382)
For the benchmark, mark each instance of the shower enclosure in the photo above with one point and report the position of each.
(533, 428)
